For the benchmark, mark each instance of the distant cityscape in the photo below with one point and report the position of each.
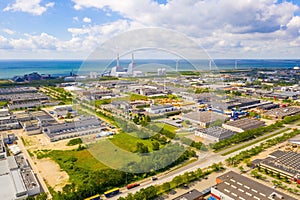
(235, 126)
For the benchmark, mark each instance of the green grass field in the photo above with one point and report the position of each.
(128, 142)
(167, 127)
(84, 159)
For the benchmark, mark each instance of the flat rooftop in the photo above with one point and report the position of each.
(238, 186)
(191, 195)
(282, 112)
(205, 117)
(246, 123)
(217, 132)
(288, 162)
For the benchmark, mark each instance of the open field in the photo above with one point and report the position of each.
(128, 142)
(51, 172)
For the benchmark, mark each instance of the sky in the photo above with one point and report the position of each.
(73, 29)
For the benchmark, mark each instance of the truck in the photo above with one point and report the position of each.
(132, 185)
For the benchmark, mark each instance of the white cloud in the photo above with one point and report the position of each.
(33, 7)
(226, 28)
(87, 20)
(8, 31)
(76, 19)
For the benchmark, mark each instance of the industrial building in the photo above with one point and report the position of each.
(84, 126)
(280, 113)
(204, 119)
(2, 150)
(15, 90)
(236, 103)
(234, 186)
(214, 134)
(63, 110)
(17, 180)
(191, 195)
(242, 125)
(161, 109)
(285, 163)
(4, 114)
(32, 122)
(9, 124)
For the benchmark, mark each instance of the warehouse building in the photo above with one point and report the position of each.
(19, 90)
(84, 126)
(236, 103)
(285, 163)
(2, 150)
(242, 125)
(161, 109)
(17, 180)
(234, 186)
(63, 110)
(280, 113)
(191, 195)
(214, 134)
(4, 114)
(9, 124)
(204, 119)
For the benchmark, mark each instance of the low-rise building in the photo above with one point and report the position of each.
(9, 124)
(4, 114)
(63, 110)
(84, 126)
(204, 119)
(161, 109)
(2, 150)
(287, 164)
(214, 134)
(280, 113)
(242, 125)
(191, 195)
(233, 186)
(17, 180)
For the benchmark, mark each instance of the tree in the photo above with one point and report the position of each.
(155, 146)
(241, 168)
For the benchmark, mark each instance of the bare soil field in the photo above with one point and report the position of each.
(51, 173)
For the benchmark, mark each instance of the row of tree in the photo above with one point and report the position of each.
(235, 160)
(246, 135)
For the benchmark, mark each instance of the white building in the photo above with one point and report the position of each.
(160, 109)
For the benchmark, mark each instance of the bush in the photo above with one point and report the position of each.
(75, 141)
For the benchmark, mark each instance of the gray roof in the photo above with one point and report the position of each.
(205, 117)
(287, 162)
(158, 107)
(191, 195)
(18, 183)
(246, 123)
(217, 132)
(277, 154)
(12, 164)
(54, 129)
(282, 112)
(235, 185)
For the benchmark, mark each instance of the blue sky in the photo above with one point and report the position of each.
(72, 29)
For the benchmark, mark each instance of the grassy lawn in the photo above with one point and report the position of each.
(111, 155)
(167, 127)
(101, 102)
(84, 159)
(128, 142)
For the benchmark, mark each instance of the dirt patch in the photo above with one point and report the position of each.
(51, 173)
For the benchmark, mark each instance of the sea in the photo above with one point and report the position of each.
(11, 68)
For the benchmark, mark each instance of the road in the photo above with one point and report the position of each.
(205, 159)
